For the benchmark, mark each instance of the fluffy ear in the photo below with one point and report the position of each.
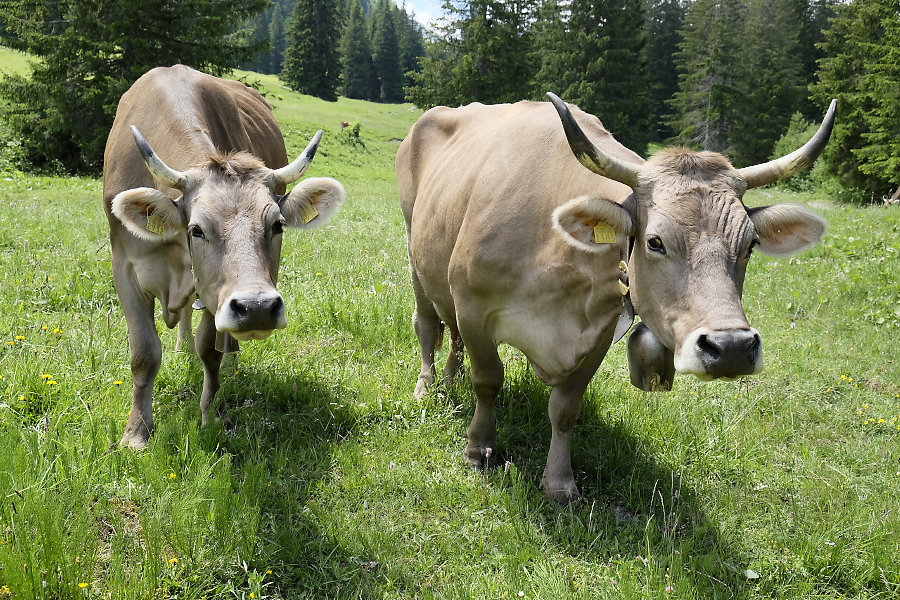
(591, 223)
(784, 229)
(312, 202)
(149, 214)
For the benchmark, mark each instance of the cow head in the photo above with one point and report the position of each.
(692, 239)
(233, 216)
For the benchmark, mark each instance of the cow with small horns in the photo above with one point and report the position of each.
(512, 241)
(198, 206)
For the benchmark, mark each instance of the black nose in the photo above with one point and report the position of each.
(256, 313)
(729, 353)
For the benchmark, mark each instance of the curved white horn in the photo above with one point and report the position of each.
(160, 170)
(588, 153)
(295, 170)
(796, 161)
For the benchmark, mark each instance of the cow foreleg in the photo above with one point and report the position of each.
(212, 361)
(146, 355)
(558, 481)
(487, 378)
(650, 364)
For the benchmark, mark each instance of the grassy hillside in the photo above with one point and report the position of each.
(335, 483)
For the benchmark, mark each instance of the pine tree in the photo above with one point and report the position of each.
(599, 64)
(387, 52)
(708, 100)
(91, 51)
(770, 81)
(356, 54)
(662, 22)
(311, 63)
(412, 44)
(862, 70)
(482, 52)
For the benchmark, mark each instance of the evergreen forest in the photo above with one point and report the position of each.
(741, 77)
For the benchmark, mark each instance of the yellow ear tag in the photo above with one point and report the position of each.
(604, 234)
(155, 224)
(308, 213)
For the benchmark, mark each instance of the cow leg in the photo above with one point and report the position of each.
(146, 355)
(558, 481)
(185, 339)
(455, 356)
(212, 361)
(487, 378)
(650, 364)
(428, 330)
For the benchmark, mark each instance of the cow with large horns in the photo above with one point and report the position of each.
(512, 241)
(194, 179)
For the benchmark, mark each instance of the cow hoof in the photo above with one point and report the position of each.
(480, 458)
(421, 388)
(134, 440)
(561, 492)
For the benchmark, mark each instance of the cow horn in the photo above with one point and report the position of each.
(295, 170)
(588, 153)
(796, 161)
(160, 170)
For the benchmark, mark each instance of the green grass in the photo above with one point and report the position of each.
(335, 483)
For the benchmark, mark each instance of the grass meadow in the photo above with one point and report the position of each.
(335, 483)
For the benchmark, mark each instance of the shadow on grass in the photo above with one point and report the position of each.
(636, 511)
(285, 432)
(639, 514)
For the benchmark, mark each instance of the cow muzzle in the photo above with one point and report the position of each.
(720, 354)
(251, 316)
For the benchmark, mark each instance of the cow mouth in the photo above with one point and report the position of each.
(246, 336)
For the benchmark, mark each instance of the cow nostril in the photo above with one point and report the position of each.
(277, 304)
(755, 347)
(708, 347)
(238, 308)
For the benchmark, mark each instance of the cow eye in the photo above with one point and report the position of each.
(654, 244)
(277, 228)
(197, 233)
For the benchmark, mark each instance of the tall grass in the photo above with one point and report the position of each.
(335, 483)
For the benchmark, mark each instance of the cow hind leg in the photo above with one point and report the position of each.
(427, 325)
(455, 356)
(212, 361)
(184, 342)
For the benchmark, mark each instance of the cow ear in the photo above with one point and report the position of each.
(593, 223)
(784, 229)
(312, 202)
(149, 214)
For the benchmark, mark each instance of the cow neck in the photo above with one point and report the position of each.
(626, 319)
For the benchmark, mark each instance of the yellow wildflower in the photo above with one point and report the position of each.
(20, 337)
(173, 560)
(82, 585)
(117, 382)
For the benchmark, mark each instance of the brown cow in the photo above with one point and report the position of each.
(198, 206)
(512, 241)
